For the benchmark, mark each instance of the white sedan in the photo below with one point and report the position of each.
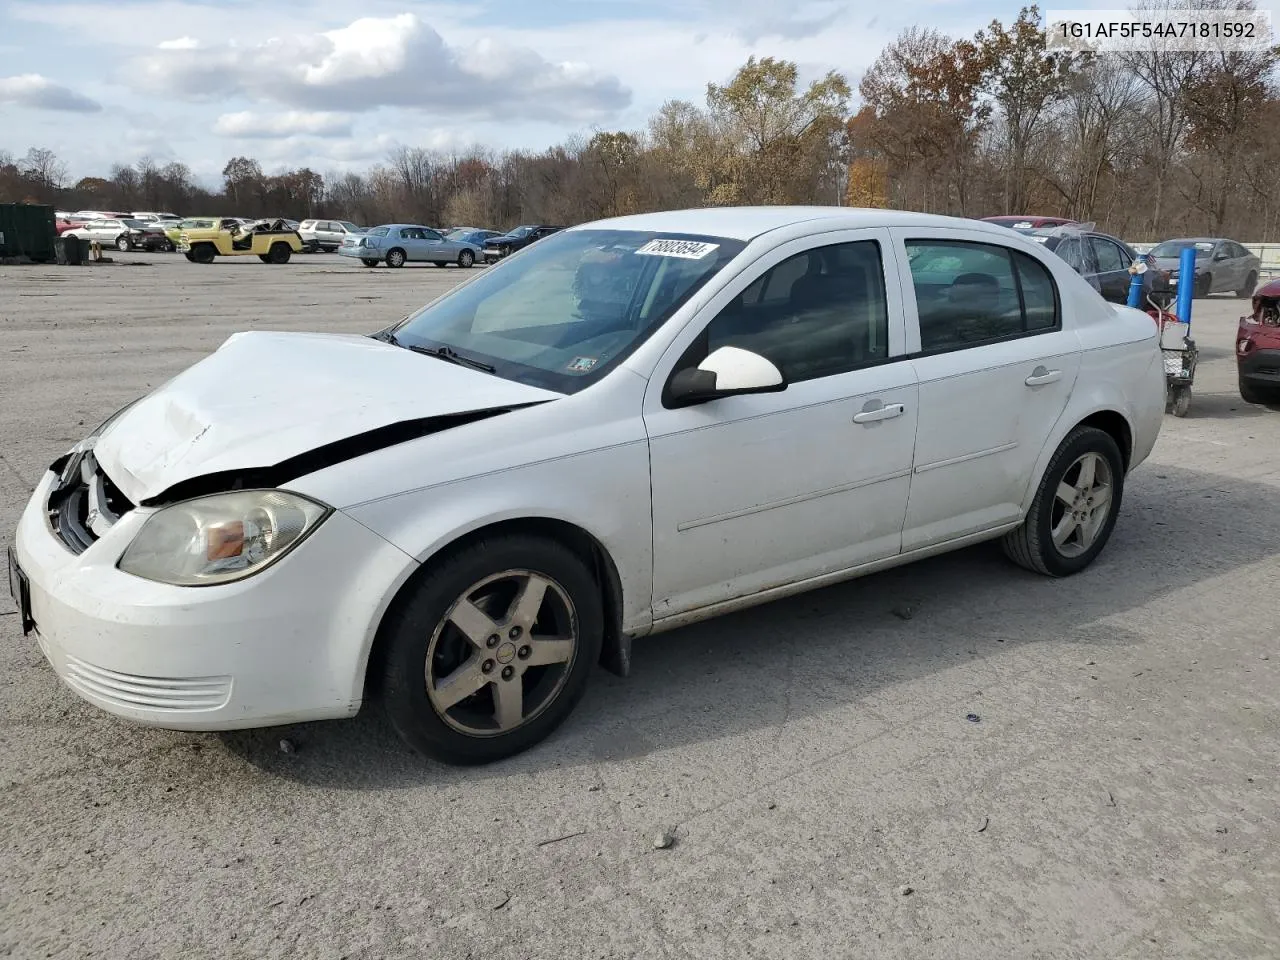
(633, 425)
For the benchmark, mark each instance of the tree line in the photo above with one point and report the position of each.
(1147, 145)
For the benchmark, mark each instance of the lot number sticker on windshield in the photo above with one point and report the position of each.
(685, 249)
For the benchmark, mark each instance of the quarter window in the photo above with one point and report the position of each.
(973, 293)
(816, 314)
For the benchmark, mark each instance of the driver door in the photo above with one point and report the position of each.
(760, 491)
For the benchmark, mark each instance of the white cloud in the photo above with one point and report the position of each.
(181, 43)
(388, 61)
(250, 125)
(40, 93)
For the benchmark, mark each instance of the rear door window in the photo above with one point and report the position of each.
(968, 294)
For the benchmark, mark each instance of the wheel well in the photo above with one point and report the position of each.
(395, 250)
(1117, 426)
(615, 654)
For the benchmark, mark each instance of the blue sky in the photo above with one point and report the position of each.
(336, 84)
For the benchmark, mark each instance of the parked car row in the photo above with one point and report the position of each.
(396, 244)
(1222, 265)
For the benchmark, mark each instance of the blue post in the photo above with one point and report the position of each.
(1135, 290)
(1186, 283)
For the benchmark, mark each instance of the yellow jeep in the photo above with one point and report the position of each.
(272, 241)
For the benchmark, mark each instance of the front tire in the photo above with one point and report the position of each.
(395, 258)
(491, 649)
(1075, 507)
(466, 259)
(123, 244)
(203, 253)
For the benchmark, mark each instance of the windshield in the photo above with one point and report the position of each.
(459, 234)
(561, 313)
(136, 224)
(520, 232)
(1174, 248)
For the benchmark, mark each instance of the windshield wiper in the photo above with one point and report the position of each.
(450, 355)
(440, 353)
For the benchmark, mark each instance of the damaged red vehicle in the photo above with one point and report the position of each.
(1258, 347)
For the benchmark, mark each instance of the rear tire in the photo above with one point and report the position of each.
(1203, 287)
(279, 252)
(1062, 497)
(1250, 285)
(395, 258)
(421, 642)
(370, 263)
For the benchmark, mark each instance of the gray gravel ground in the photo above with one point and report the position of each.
(1117, 798)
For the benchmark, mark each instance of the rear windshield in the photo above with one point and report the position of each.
(1174, 248)
(379, 231)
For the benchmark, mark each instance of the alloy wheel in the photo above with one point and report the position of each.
(501, 653)
(1081, 504)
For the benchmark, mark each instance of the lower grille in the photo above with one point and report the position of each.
(153, 693)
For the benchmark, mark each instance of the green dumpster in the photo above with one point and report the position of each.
(27, 230)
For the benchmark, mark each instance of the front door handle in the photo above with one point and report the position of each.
(876, 410)
(1042, 375)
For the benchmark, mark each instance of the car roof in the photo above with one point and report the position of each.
(747, 223)
(1193, 240)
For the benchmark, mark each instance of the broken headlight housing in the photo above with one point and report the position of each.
(220, 538)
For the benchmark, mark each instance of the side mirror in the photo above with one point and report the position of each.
(726, 372)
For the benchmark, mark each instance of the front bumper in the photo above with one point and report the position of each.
(1260, 367)
(287, 645)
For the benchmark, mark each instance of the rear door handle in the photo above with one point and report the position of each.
(875, 411)
(1042, 375)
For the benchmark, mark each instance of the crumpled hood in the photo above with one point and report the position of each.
(263, 398)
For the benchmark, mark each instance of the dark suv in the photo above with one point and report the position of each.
(495, 248)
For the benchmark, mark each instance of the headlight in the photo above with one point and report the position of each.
(220, 538)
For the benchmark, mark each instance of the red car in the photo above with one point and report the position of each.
(1028, 223)
(1258, 347)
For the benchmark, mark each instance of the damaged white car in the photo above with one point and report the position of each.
(632, 425)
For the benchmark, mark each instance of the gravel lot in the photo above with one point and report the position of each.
(829, 798)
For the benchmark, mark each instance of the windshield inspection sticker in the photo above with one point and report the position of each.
(582, 364)
(685, 249)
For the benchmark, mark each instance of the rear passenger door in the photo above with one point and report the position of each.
(1113, 269)
(995, 369)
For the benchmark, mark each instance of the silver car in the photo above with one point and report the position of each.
(326, 234)
(1221, 265)
(396, 244)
